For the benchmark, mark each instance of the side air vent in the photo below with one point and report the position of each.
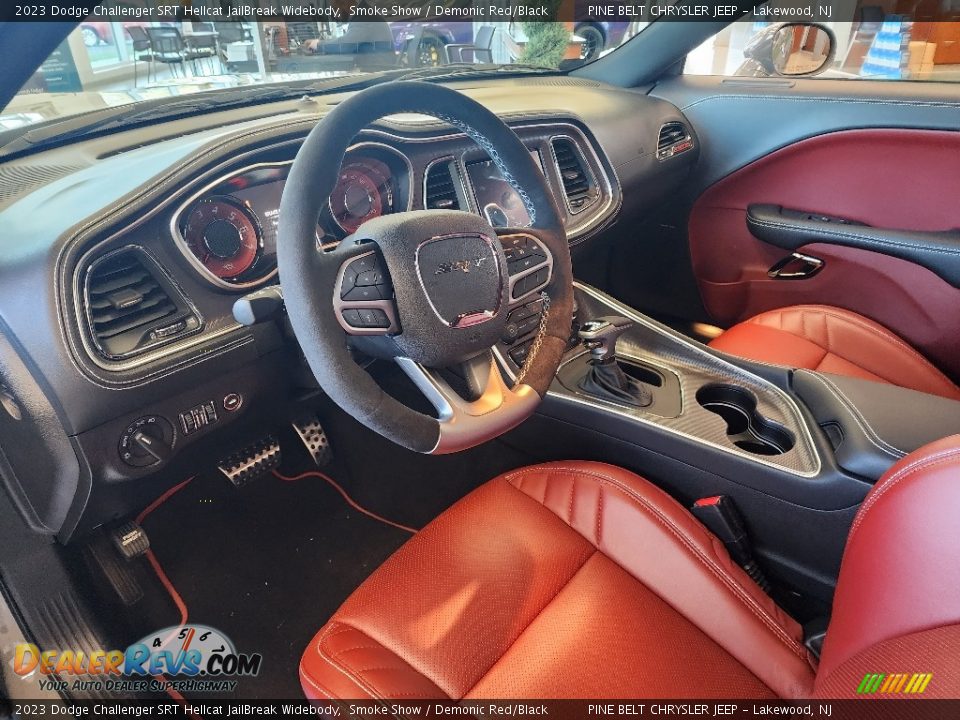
(132, 306)
(440, 192)
(579, 186)
(674, 139)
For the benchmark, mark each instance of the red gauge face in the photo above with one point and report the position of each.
(224, 236)
(363, 192)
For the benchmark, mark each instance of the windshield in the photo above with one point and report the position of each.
(111, 60)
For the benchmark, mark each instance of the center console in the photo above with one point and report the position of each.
(796, 450)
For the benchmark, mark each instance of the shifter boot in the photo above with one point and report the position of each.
(607, 381)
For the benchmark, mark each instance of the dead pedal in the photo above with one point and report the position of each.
(314, 439)
(253, 461)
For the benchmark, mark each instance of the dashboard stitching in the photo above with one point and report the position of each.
(814, 98)
(219, 150)
(109, 217)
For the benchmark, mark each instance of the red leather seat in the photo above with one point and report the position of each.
(834, 340)
(580, 579)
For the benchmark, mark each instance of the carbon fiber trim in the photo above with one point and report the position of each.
(659, 346)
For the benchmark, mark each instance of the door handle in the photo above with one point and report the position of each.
(796, 266)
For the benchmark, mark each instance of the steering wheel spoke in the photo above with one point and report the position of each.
(465, 423)
(529, 262)
(363, 293)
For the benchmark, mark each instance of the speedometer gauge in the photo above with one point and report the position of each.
(224, 235)
(364, 190)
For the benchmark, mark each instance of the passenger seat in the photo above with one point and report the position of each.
(833, 340)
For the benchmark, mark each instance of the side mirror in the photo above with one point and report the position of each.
(801, 49)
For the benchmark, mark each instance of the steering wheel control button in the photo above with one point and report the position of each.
(519, 353)
(518, 265)
(146, 441)
(232, 402)
(363, 294)
(533, 281)
(522, 252)
(365, 272)
(373, 318)
(369, 277)
(352, 318)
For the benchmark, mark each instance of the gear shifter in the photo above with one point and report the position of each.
(605, 378)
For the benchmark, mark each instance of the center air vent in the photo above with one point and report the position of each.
(579, 187)
(131, 306)
(440, 192)
(674, 138)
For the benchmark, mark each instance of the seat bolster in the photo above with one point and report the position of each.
(834, 340)
(655, 539)
(344, 662)
(899, 576)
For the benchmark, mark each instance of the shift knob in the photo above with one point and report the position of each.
(601, 334)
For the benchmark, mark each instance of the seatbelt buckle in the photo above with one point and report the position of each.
(721, 517)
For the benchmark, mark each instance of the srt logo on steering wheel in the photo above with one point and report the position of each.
(459, 265)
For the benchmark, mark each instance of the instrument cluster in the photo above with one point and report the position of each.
(228, 230)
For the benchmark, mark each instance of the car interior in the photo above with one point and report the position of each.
(504, 385)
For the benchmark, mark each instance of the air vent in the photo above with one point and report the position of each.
(674, 139)
(579, 187)
(441, 191)
(132, 307)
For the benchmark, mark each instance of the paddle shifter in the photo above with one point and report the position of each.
(605, 378)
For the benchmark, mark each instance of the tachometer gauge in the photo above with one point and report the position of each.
(224, 235)
(364, 191)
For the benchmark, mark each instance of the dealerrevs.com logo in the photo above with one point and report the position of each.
(201, 657)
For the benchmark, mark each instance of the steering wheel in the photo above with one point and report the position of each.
(437, 284)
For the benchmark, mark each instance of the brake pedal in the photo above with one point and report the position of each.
(253, 461)
(314, 439)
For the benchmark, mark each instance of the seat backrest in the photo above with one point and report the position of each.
(484, 38)
(896, 611)
(137, 33)
(411, 55)
(165, 40)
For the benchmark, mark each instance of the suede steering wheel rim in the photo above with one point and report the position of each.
(449, 277)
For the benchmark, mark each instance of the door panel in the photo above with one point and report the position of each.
(902, 179)
(892, 176)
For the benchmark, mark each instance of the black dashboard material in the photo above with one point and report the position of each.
(139, 189)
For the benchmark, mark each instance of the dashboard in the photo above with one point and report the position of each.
(124, 256)
(227, 228)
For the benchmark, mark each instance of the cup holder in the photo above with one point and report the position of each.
(746, 428)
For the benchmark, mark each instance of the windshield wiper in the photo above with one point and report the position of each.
(130, 115)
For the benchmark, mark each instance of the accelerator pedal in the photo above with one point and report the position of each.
(252, 461)
(314, 439)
